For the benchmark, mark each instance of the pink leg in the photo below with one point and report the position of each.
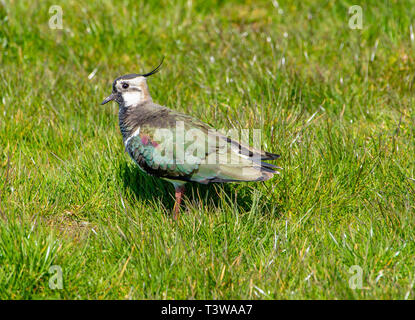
(179, 191)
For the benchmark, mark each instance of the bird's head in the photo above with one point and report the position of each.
(131, 89)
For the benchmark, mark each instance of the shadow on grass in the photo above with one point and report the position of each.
(152, 189)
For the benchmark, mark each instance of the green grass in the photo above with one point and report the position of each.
(336, 103)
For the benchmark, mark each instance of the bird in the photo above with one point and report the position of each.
(180, 148)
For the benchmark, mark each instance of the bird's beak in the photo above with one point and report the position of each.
(108, 99)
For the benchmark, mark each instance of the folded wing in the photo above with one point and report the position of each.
(190, 150)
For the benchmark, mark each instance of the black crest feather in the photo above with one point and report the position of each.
(155, 70)
(134, 75)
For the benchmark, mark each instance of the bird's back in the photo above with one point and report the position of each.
(173, 145)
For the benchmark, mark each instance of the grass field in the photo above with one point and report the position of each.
(337, 103)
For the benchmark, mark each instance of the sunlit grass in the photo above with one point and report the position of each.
(336, 103)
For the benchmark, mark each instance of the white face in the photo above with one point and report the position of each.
(132, 98)
(133, 91)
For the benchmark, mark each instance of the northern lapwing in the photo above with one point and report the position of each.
(177, 147)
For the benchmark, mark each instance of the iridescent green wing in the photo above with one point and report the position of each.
(161, 152)
(184, 148)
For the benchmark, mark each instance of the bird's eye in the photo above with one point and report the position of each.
(125, 85)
